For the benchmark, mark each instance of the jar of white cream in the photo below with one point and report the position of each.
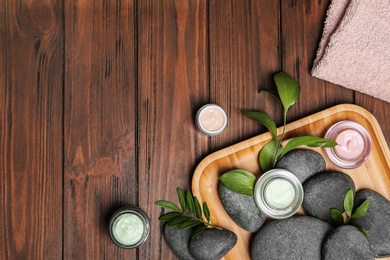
(278, 193)
(129, 227)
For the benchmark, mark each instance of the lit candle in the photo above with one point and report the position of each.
(129, 227)
(211, 119)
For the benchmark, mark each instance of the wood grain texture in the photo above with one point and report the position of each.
(31, 128)
(98, 100)
(100, 112)
(173, 84)
(244, 55)
(373, 174)
(301, 29)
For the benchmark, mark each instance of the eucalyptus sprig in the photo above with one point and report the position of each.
(190, 214)
(338, 217)
(288, 93)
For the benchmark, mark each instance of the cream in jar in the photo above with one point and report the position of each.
(353, 144)
(211, 119)
(129, 227)
(278, 193)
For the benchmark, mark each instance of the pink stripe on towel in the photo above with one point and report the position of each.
(354, 51)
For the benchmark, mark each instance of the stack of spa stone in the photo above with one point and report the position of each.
(298, 237)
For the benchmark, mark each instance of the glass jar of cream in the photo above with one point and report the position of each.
(278, 193)
(211, 119)
(354, 144)
(129, 227)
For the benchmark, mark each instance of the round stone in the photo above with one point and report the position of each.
(346, 242)
(212, 244)
(242, 209)
(297, 237)
(376, 221)
(325, 191)
(304, 163)
(178, 240)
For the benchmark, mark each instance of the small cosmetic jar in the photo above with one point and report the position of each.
(211, 119)
(129, 227)
(278, 193)
(354, 144)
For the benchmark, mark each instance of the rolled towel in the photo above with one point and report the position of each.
(354, 51)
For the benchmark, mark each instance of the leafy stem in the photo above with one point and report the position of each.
(288, 93)
(338, 218)
(288, 90)
(190, 214)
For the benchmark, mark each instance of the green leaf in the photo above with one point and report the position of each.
(337, 216)
(189, 223)
(288, 89)
(239, 181)
(169, 216)
(198, 208)
(178, 220)
(206, 212)
(182, 199)
(198, 231)
(263, 119)
(311, 141)
(348, 202)
(363, 230)
(167, 205)
(190, 201)
(268, 156)
(361, 210)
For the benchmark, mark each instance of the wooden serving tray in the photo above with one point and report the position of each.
(373, 174)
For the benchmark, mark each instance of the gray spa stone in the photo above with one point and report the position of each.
(212, 244)
(346, 243)
(303, 163)
(326, 191)
(242, 209)
(178, 240)
(376, 221)
(297, 237)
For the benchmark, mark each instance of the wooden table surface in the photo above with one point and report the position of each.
(97, 105)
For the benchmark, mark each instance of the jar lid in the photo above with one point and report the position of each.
(211, 119)
(129, 227)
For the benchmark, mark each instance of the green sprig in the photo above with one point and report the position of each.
(190, 214)
(288, 93)
(288, 90)
(338, 218)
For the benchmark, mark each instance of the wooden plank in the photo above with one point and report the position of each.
(173, 84)
(100, 124)
(244, 55)
(302, 23)
(31, 111)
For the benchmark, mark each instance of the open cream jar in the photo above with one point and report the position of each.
(129, 227)
(211, 119)
(354, 144)
(278, 193)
